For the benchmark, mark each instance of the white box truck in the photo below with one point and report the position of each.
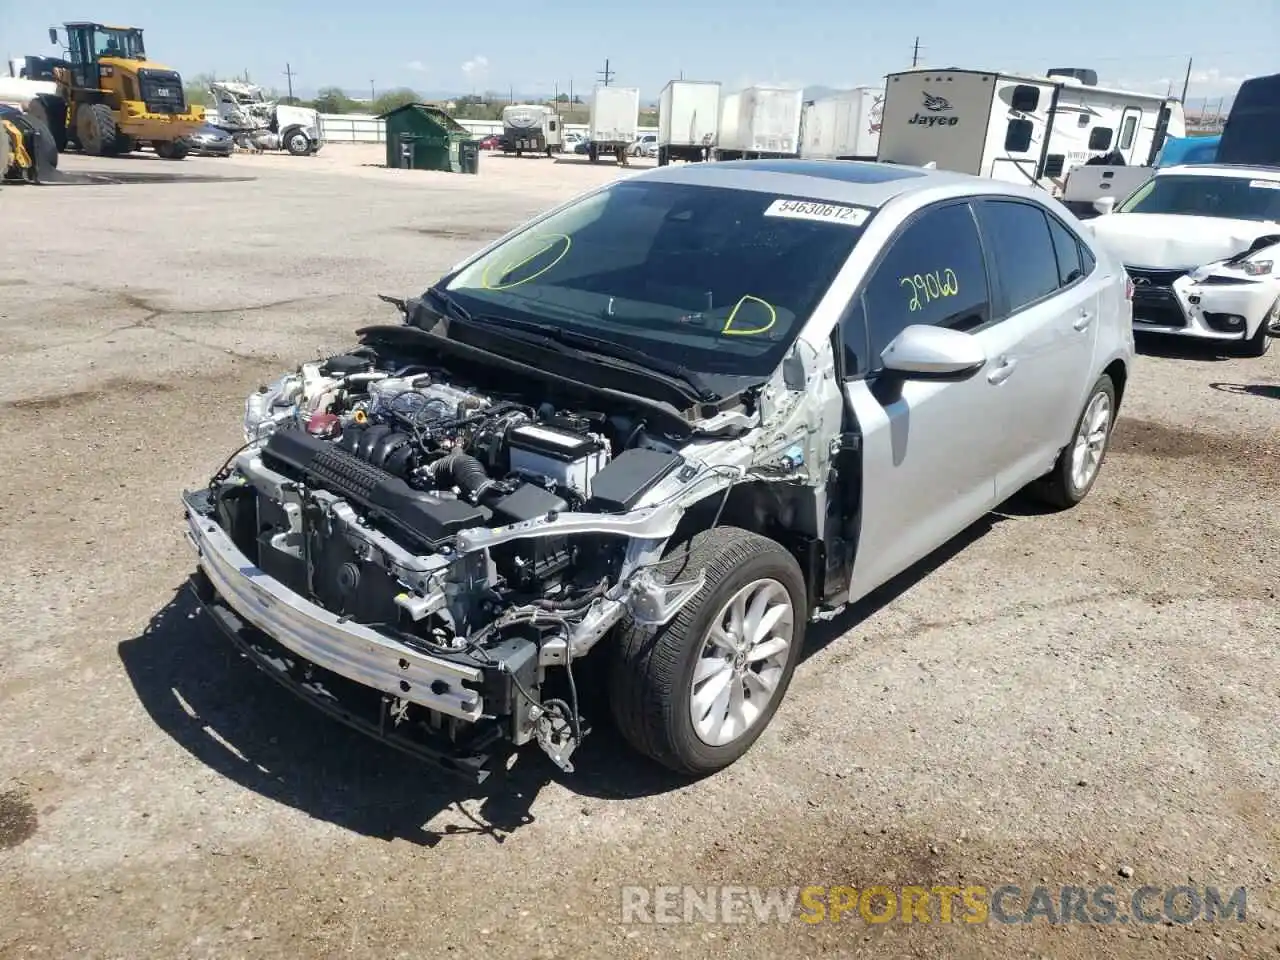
(614, 121)
(767, 124)
(688, 120)
(843, 126)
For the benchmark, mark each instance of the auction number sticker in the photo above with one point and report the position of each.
(1265, 184)
(816, 210)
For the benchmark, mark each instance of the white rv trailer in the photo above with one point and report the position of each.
(1020, 128)
(534, 128)
(843, 126)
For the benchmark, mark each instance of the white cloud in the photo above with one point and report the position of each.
(476, 65)
(1210, 82)
(417, 66)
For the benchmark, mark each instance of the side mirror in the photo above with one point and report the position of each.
(923, 352)
(53, 35)
(1104, 205)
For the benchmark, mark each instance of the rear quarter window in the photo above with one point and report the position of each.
(1017, 239)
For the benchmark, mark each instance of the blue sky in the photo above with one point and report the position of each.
(504, 44)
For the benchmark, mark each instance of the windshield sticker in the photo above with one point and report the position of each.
(735, 327)
(508, 267)
(1265, 184)
(930, 286)
(822, 212)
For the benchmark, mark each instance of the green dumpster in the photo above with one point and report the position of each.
(424, 137)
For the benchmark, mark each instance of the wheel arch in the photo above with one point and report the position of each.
(1118, 371)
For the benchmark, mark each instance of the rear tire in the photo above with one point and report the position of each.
(654, 672)
(46, 158)
(52, 111)
(171, 149)
(1080, 461)
(96, 129)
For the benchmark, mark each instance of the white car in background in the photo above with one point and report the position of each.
(1201, 244)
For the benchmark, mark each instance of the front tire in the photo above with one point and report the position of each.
(1080, 462)
(297, 143)
(695, 694)
(96, 129)
(1260, 342)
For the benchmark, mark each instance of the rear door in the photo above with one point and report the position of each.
(1049, 324)
(928, 447)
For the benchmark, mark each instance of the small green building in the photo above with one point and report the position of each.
(423, 137)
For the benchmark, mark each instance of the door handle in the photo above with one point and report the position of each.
(1083, 321)
(1002, 373)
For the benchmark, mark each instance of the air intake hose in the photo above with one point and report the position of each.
(461, 471)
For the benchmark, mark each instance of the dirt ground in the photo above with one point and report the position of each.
(1076, 699)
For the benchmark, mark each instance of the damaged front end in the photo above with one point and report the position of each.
(426, 555)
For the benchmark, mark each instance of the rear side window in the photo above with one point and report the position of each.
(1018, 241)
(1068, 250)
(1017, 136)
(1100, 138)
(932, 273)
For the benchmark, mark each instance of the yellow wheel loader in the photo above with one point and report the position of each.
(27, 151)
(111, 99)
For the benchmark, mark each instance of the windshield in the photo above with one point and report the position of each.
(1235, 198)
(108, 42)
(718, 280)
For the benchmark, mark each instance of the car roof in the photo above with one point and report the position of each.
(1237, 170)
(836, 181)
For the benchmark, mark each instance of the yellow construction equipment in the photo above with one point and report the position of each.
(27, 152)
(110, 98)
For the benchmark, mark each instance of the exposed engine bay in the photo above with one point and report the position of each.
(446, 540)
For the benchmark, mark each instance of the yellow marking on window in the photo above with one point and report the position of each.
(730, 331)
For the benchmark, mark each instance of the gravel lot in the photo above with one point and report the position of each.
(1084, 698)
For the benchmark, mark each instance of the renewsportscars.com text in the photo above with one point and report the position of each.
(1006, 903)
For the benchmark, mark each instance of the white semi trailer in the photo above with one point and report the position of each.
(688, 120)
(760, 122)
(614, 123)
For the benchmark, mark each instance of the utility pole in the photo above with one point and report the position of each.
(606, 75)
(289, 74)
(1186, 83)
(915, 53)
(372, 95)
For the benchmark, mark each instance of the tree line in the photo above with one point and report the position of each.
(487, 106)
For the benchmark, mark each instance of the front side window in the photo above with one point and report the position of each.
(932, 273)
(1017, 238)
(108, 42)
(720, 280)
(1235, 198)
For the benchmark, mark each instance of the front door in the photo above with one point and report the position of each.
(928, 447)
